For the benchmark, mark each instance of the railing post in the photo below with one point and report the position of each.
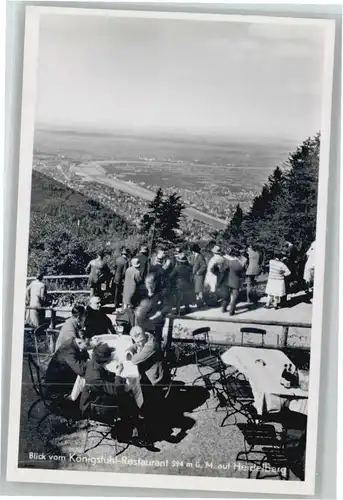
(170, 332)
(53, 318)
(284, 336)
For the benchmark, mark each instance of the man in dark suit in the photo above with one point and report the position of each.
(122, 263)
(97, 322)
(153, 309)
(69, 361)
(143, 257)
(231, 281)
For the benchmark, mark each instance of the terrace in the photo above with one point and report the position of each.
(195, 440)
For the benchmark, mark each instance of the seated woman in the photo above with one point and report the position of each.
(146, 353)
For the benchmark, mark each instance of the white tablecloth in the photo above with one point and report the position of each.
(264, 378)
(130, 371)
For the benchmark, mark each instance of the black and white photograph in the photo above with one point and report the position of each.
(170, 250)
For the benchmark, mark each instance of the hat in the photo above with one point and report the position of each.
(195, 248)
(135, 262)
(216, 249)
(181, 257)
(102, 353)
(144, 249)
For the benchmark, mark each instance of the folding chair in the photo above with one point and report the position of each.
(171, 364)
(44, 338)
(207, 359)
(53, 406)
(254, 331)
(235, 395)
(270, 450)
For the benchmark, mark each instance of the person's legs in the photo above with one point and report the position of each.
(269, 301)
(250, 285)
(226, 294)
(233, 302)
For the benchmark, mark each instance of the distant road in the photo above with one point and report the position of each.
(98, 173)
(148, 195)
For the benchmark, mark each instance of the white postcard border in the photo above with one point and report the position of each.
(14, 473)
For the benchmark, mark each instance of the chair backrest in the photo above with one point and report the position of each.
(104, 413)
(35, 374)
(45, 341)
(252, 331)
(203, 331)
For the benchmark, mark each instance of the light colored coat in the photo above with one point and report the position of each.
(131, 282)
(215, 263)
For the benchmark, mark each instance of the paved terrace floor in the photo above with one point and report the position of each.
(200, 447)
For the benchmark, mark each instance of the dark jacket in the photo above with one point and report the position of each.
(149, 360)
(131, 286)
(66, 364)
(148, 307)
(181, 276)
(97, 323)
(122, 264)
(70, 329)
(144, 265)
(232, 274)
(161, 277)
(100, 384)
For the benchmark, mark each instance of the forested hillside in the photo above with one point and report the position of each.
(67, 228)
(286, 209)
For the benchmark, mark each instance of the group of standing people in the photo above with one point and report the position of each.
(178, 278)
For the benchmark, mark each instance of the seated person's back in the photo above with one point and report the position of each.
(72, 326)
(102, 386)
(69, 361)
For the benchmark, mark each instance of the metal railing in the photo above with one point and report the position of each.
(282, 339)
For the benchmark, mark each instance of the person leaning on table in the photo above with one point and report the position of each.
(146, 353)
(69, 361)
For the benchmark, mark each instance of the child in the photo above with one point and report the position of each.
(276, 287)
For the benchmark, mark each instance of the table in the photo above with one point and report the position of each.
(264, 379)
(130, 371)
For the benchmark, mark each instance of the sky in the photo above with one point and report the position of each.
(184, 77)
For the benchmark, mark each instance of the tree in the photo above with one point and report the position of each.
(163, 218)
(287, 206)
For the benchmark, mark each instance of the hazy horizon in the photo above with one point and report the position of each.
(161, 76)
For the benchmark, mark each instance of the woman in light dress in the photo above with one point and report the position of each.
(214, 269)
(36, 296)
(276, 287)
(309, 270)
(309, 266)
